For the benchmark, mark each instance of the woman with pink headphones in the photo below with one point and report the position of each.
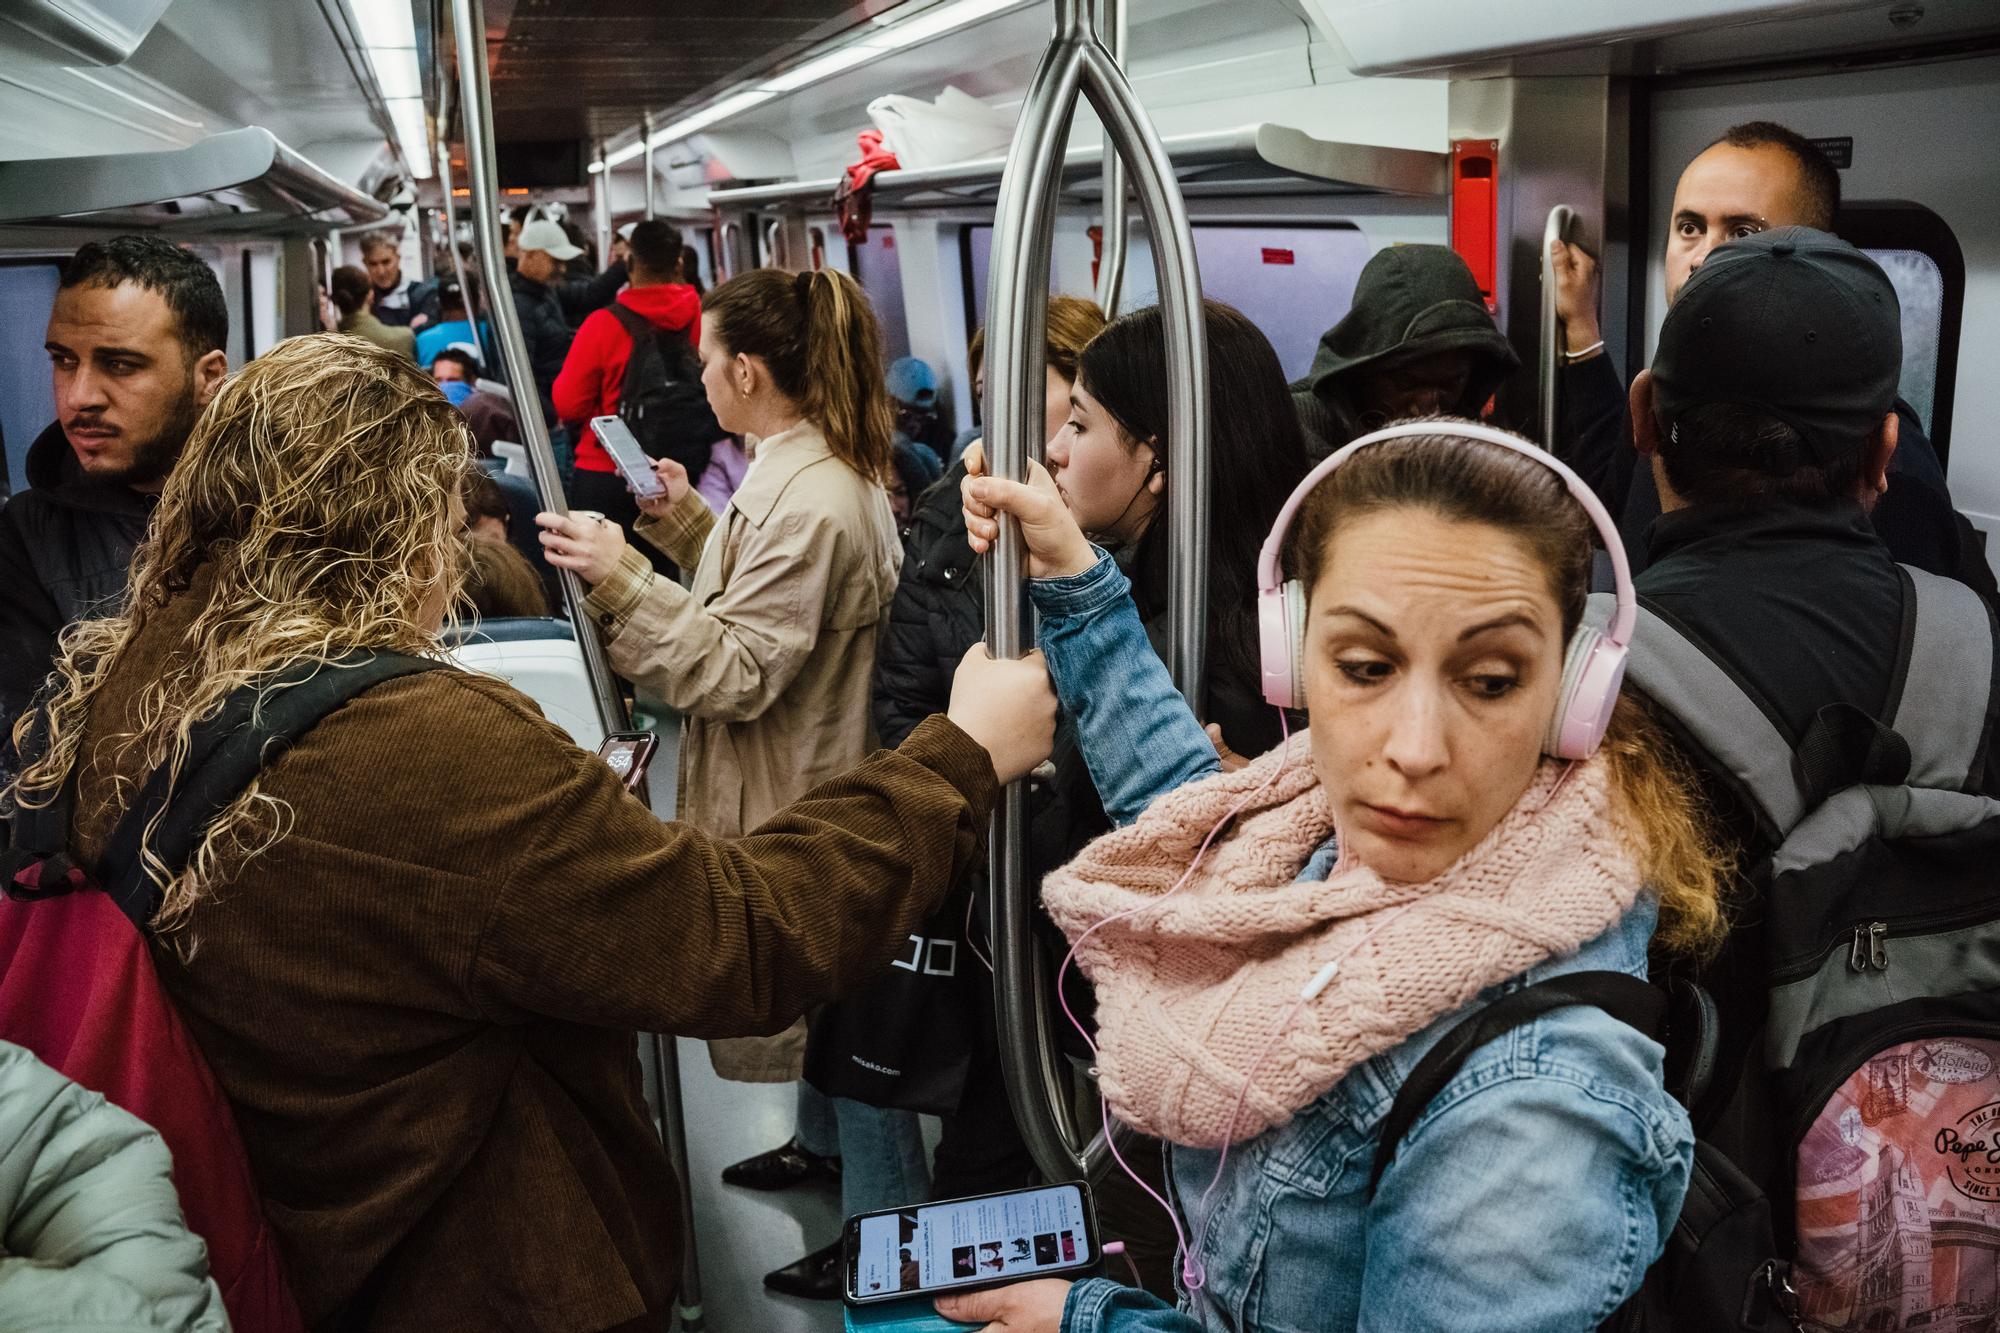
(1475, 812)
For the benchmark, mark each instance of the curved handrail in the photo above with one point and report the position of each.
(1017, 327)
(1111, 30)
(776, 253)
(1561, 218)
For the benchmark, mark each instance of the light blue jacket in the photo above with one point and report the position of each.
(1529, 1198)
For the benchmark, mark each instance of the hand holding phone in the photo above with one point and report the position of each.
(631, 461)
(628, 753)
(967, 1244)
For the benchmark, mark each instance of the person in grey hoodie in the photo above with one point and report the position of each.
(1416, 341)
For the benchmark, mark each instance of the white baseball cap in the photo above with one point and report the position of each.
(542, 234)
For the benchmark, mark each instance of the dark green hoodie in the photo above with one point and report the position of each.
(1411, 300)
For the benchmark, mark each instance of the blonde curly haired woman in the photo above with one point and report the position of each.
(414, 952)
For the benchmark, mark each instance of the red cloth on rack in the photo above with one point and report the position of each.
(853, 199)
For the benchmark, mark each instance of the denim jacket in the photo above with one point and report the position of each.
(1531, 1195)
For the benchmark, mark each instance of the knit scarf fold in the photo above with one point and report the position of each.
(1193, 993)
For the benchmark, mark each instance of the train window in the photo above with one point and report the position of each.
(1918, 251)
(27, 394)
(878, 266)
(1293, 282)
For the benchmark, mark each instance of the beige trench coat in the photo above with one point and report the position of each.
(769, 654)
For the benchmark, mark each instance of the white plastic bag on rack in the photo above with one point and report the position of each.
(956, 128)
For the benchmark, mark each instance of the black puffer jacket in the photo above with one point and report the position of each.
(549, 315)
(1411, 300)
(940, 611)
(65, 553)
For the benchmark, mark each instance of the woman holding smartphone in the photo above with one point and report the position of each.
(768, 655)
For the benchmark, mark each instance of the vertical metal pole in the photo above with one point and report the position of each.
(424, 239)
(473, 300)
(1017, 337)
(469, 30)
(1017, 328)
(1111, 30)
(601, 204)
(1551, 342)
(646, 130)
(1186, 330)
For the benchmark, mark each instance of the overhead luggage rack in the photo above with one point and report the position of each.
(239, 180)
(1255, 159)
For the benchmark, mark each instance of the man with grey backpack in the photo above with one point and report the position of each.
(1841, 707)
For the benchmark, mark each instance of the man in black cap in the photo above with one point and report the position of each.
(1768, 421)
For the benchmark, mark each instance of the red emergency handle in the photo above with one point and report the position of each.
(1475, 219)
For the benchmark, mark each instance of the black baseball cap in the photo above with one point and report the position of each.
(1795, 322)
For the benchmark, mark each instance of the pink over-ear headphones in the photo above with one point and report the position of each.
(1593, 668)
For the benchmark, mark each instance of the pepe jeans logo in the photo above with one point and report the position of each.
(1971, 1148)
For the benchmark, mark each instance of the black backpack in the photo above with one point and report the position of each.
(255, 724)
(662, 399)
(1873, 1055)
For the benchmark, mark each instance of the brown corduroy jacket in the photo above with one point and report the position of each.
(421, 1002)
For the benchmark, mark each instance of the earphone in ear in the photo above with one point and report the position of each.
(1593, 663)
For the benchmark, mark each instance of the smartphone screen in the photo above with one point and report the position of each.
(631, 460)
(627, 753)
(958, 1243)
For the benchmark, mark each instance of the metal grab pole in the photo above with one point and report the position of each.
(646, 129)
(475, 96)
(1111, 30)
(1186, 328)
(601, 201)
(1017, 334)
(1017, 329)
(465, 291)
(1561, 218)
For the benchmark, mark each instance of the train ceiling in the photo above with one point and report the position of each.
(591, 68)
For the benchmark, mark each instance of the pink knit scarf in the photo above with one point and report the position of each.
(1193, 993)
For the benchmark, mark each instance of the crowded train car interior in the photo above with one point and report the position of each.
(469, 184)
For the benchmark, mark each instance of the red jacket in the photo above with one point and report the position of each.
(594, 371)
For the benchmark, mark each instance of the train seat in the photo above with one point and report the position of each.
(538, 656)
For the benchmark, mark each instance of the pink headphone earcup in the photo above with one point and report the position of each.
(1593, 672)
(1281, 623)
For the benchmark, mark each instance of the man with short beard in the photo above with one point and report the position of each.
(136, 343)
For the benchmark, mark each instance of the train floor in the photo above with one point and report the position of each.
(740, 1234)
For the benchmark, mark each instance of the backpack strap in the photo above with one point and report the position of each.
(634, 323)
(255, 724)
(1719, 713)
(1626, 998)
(40, 831)
(1948, 658)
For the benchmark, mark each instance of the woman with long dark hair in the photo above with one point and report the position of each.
(1110, 462)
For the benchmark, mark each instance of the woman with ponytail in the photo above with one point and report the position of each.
(768, 655)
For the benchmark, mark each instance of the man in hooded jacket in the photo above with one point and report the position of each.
(135, 342)
(1416, 341)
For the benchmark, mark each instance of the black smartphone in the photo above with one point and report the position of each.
(964, 1244)
(628, 753)
(631, 460)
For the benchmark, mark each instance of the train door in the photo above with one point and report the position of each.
(1926, 216)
